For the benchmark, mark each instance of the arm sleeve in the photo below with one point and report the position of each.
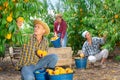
(19, 63)
(23, 55)
(64, 30)
(101, 41)
(84, 50)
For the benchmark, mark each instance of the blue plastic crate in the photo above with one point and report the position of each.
(40, 75)
(61, 77)
(81, 63)
(56, 43)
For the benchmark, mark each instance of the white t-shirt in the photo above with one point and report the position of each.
(58, 27)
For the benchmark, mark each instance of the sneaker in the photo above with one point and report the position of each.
(99, 65)
(103, 66)
(90, 65)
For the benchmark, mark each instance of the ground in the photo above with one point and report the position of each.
(112, 72)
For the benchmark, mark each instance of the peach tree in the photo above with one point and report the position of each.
(10, 10)
(97, 16)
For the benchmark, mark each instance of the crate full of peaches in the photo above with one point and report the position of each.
(59, 70)
(60, 73)
(81, 61)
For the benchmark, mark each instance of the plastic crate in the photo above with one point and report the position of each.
(81, 63)
(40, 75)
(61, 77)
(56, 43)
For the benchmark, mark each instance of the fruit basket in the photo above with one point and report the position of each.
(60, 74)
(81, 61)
(56, 41)
(61, 77)
(40, 74)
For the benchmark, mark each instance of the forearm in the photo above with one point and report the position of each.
(55, 33)
(104, 38)
(63, 34)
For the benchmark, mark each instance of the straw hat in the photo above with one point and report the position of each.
(36, 21)
(58, 15)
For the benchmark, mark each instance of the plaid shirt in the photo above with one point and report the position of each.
(94, 48)
(28, 55)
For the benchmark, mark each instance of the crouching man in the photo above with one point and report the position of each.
(91, 48)
(30, 61)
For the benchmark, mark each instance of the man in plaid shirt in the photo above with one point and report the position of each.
(29, 60)
(91, 48)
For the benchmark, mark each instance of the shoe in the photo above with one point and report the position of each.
(90, 65)
(103, 66)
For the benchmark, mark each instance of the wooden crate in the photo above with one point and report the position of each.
(64, 55)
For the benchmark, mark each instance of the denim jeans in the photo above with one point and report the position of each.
(27, 72)
(64, 42)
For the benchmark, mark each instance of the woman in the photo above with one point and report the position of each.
(60, 28)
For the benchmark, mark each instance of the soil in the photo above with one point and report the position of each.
(111, 72)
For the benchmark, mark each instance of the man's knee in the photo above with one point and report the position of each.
(106, 53)
(92, 59)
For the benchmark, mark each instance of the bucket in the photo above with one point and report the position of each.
(56, 43)
(81, 63)
(40, 75)
(61, 77)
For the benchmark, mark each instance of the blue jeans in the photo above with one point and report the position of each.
(64, 42)
(27, 72)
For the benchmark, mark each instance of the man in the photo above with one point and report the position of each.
(91, 48)
(60, 29)
(30, 61)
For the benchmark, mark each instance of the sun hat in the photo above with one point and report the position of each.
(84, 33)
(46, 27)
(58, 15)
